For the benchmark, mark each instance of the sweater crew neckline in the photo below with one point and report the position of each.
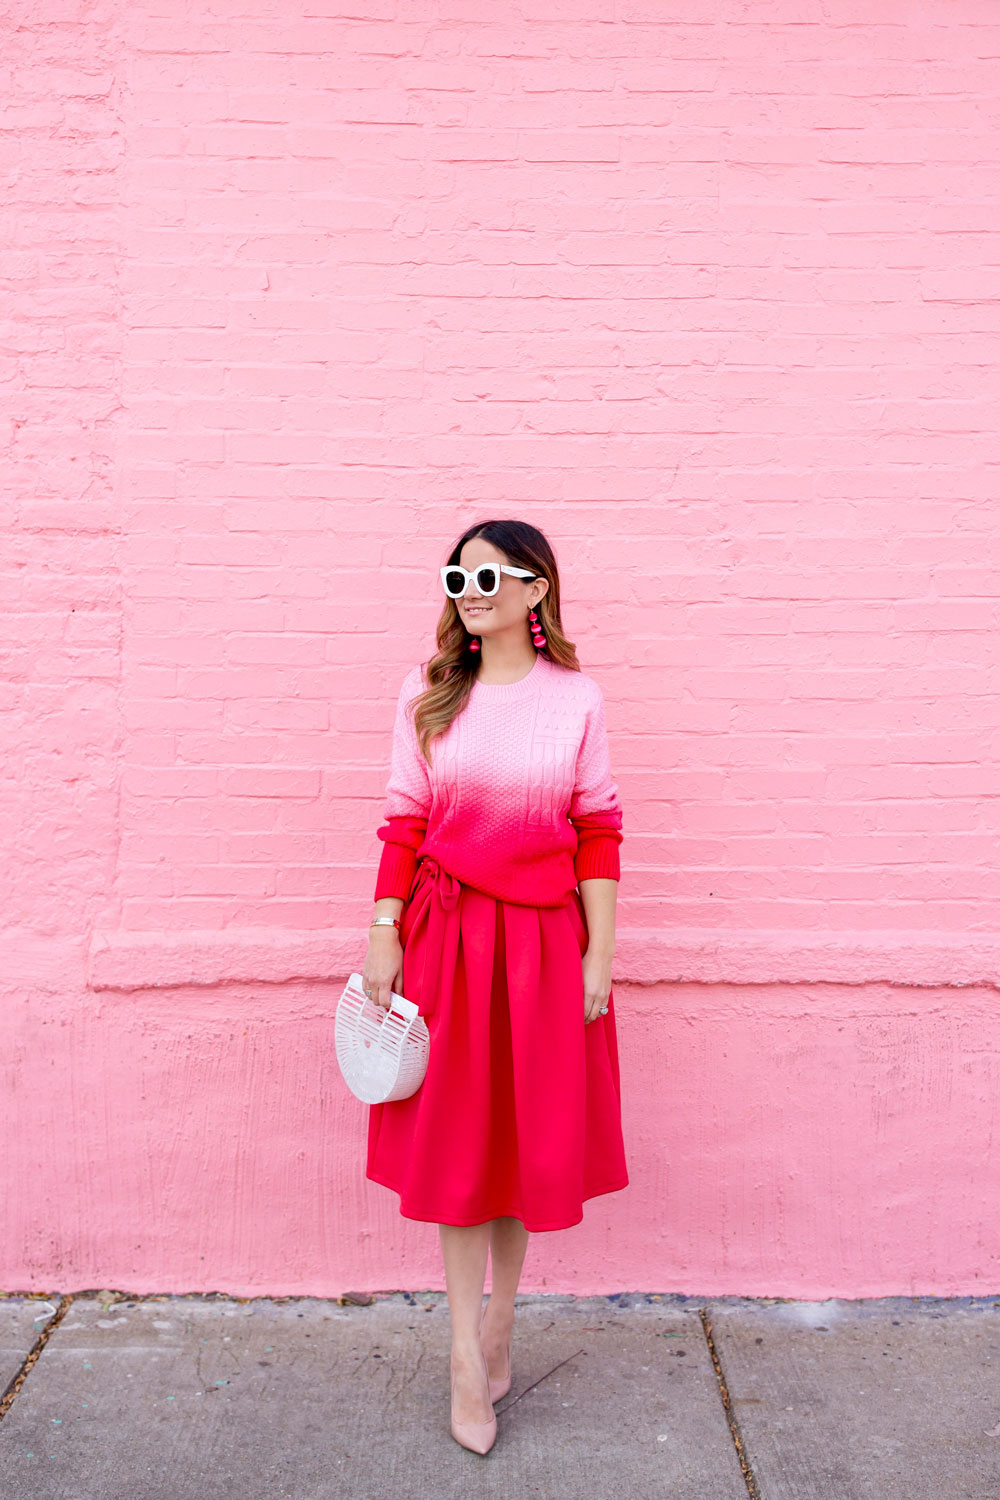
(522, 688)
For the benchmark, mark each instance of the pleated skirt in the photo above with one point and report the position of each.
(519, 1112)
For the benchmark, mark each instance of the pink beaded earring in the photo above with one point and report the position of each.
(536, 631)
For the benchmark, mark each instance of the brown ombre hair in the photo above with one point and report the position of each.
(451, 673)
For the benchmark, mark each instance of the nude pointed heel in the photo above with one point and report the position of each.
(500, 1386)
(479, 1436)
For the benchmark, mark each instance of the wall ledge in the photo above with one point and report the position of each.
(123, 960)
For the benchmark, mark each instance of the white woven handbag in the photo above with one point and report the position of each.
(382, 1053)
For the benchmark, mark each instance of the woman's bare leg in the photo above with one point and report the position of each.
(464, 1248)
(508, 1245)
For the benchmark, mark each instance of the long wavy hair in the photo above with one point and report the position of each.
(452, 672)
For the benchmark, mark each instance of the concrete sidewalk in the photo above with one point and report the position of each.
(681, 1398)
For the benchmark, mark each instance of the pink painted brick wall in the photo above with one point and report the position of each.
(291, 297)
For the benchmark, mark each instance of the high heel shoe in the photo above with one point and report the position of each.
(479, 1436)
(500, 1386)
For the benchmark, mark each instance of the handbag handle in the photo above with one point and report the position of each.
(407, 1008)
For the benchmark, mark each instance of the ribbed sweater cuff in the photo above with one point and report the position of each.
(597, 858)
(396, 870)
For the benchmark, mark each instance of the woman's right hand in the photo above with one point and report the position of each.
(383, 967)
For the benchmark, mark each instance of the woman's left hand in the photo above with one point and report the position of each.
(596, 983)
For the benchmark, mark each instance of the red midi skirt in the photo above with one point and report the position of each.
(519, 1112)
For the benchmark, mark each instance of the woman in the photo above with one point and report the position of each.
(495, 912)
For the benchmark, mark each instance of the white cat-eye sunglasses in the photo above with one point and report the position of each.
(486, 578)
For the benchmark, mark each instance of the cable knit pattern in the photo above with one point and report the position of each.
(518, 799)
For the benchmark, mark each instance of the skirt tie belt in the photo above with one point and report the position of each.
(448, 886)
(434, 894)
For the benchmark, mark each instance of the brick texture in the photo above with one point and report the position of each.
(291, 294)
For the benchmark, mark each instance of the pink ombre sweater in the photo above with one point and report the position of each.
(518, 800)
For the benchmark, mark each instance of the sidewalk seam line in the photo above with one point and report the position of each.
(749, 1479)
(10, 1394)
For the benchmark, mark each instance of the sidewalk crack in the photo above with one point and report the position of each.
(9, 1395)
(749, 1479)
